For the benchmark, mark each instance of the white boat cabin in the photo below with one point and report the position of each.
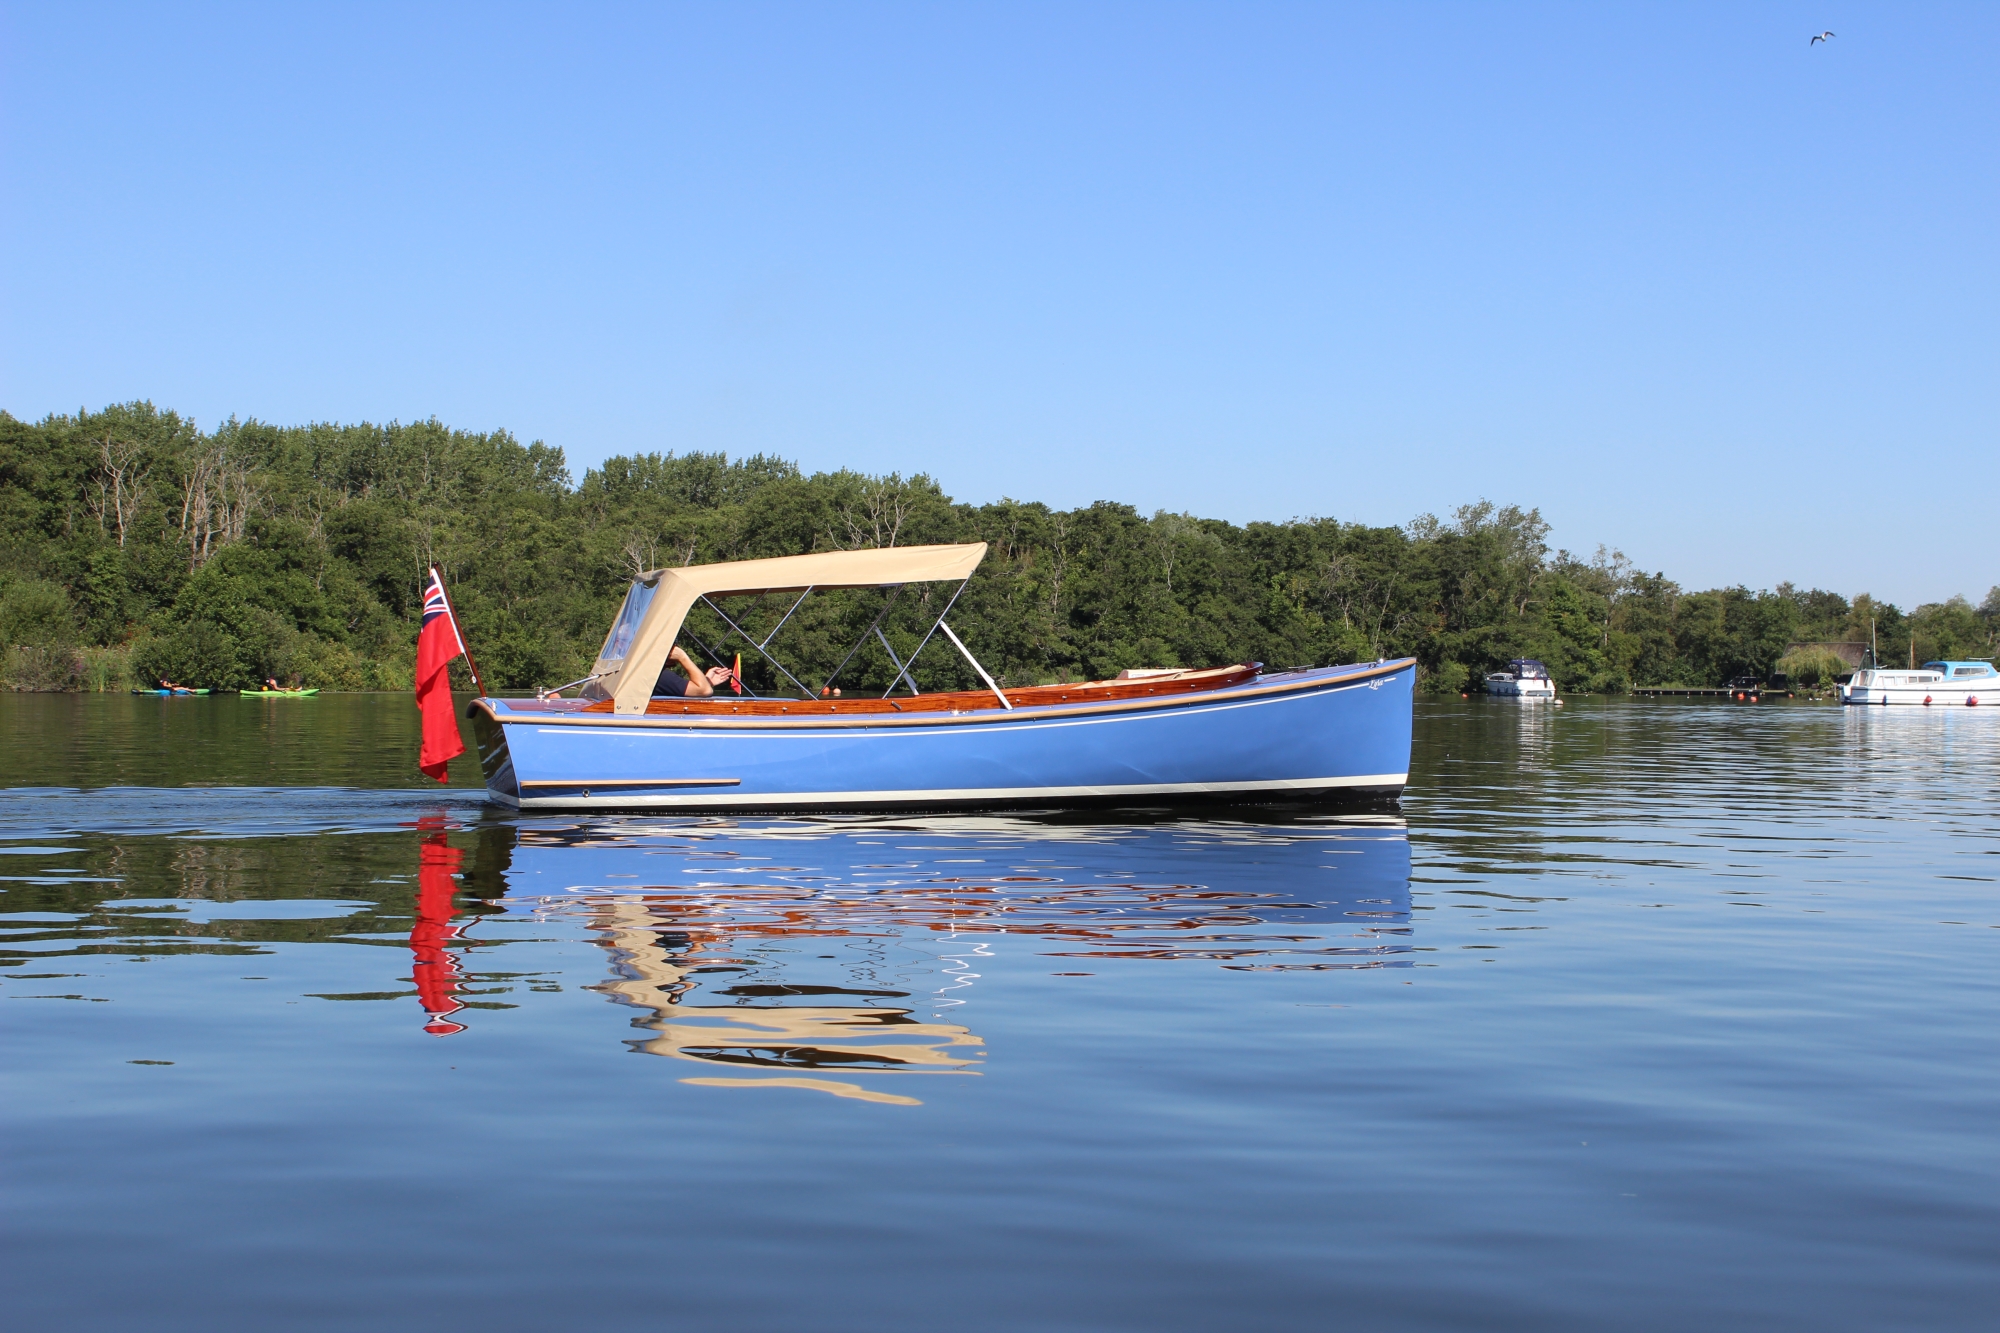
(1524, 678)
(1934, 683)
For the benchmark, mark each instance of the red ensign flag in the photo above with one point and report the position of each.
(437, 643)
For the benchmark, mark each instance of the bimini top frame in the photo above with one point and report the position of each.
(657, 604)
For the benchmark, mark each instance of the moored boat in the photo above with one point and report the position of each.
(1934, 683)
(1524, 678)
(1229, 734)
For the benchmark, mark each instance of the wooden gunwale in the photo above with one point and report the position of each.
(807, 716)
(632, 782)
(954, 701)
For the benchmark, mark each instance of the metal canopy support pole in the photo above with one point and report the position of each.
(545, 694)
(803, 691)
(934, 629)
(782, 619)
(1004, 703)
(902, 672)
(894, 593)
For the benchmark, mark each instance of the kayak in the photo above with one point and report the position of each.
(170, 693)
(279, 694)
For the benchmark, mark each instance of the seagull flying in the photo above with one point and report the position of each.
(1819, 38)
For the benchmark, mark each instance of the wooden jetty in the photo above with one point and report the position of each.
(1657, 691)
(1740, 693)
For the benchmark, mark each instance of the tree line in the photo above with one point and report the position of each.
(135, 546)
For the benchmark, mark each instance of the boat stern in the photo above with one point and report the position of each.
(495, 760)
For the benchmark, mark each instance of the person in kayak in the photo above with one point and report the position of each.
(690, 681)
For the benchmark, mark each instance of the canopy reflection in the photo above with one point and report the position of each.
(775, 952)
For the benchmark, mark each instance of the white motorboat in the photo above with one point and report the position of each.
(1524, 678)
(1934, 683)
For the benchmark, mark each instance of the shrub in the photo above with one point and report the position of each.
(35, 611)
(394, 671)
(40, 670)
(106, 669)
(1447, 677)
(195, 652)
(313, 661)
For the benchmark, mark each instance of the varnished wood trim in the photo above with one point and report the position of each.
(952, 701)
(635, 782)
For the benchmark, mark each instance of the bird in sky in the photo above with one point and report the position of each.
(1819, 37)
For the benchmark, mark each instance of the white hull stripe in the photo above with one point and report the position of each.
(920, 796)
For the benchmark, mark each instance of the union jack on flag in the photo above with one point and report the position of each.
(435, 605)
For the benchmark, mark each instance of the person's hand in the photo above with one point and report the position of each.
(718, 675)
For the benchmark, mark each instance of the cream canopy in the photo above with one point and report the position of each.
(628, 680)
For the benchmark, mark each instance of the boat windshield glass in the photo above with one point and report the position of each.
(637, 599)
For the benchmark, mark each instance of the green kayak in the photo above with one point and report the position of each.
(279, 694)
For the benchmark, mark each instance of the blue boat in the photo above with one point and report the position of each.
(1236, 734)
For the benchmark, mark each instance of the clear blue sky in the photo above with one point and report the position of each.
(1693, 287)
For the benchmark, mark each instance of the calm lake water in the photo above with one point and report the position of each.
(1642, 1015)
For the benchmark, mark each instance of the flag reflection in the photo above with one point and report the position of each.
(434, 968)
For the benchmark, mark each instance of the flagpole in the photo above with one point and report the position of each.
(458, 630)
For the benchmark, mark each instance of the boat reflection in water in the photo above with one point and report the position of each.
(810, 954)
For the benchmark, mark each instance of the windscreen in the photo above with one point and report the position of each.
(637, 599)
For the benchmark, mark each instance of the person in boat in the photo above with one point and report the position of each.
(690, 681)
(271, 683)
(170, 687)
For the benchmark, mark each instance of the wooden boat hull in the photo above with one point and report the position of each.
(1337, 733)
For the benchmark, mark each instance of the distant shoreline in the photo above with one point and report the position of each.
(137, 547)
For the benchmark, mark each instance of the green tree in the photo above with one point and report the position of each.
(222, 556)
